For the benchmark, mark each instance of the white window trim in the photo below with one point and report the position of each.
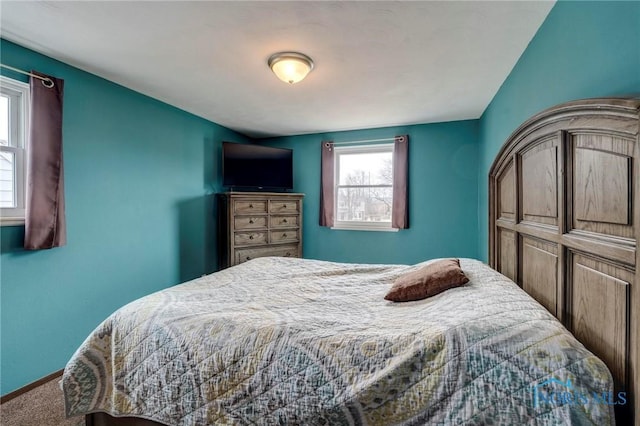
(353, 225)
(15, 216)
(363, 226)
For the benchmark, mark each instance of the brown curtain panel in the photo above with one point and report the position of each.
(400, 208)
(327, 185)
(45, 219)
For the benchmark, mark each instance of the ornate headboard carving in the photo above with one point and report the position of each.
(564, 219)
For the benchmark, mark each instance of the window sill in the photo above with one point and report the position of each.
(364, 226)
(11, 221)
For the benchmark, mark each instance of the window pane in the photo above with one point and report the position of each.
(364, 204)
(7, 180)
(4, 120)
(366, 169)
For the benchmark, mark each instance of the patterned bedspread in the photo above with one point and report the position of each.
(307, 342)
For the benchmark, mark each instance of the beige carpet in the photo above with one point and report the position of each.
(42, 406)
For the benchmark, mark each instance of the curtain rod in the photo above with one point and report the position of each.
(46, 81)
(364, 141)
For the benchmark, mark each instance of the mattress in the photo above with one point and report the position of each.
(308, 342)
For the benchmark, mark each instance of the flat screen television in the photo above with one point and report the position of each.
(256, 167)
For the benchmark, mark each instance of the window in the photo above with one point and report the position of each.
(363, 187)
(14, 112)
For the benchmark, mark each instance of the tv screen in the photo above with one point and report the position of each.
(255, 166)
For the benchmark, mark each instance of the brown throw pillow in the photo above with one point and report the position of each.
(427, 281)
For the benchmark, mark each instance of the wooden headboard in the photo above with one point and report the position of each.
(564, 221)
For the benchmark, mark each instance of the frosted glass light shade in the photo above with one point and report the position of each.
(290, 67)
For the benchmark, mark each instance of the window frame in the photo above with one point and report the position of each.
(18, 128)
(353, 225)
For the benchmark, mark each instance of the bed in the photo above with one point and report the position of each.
(308, 342)
(548, 334)
(564, 218)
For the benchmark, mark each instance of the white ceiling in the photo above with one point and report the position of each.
(377, 63)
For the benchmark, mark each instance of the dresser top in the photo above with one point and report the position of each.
(262, 194)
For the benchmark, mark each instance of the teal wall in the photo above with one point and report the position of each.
(138, 176)
(582, 50)
(443, 212)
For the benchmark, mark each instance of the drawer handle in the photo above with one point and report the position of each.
(250, 220)
(284, 206)
(251, 237)
(248, 258)
(287, 254)
(284, 235)
(250, 206)
(284, 220)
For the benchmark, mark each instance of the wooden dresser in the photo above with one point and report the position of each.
(258, 224)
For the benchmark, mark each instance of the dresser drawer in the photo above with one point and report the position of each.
(284, 206)
(249, 238)
(242, 255)
(249, 222)
(284, 235)
(283, 221)
(249, 207)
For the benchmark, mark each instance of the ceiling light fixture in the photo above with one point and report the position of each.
(290, 67)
